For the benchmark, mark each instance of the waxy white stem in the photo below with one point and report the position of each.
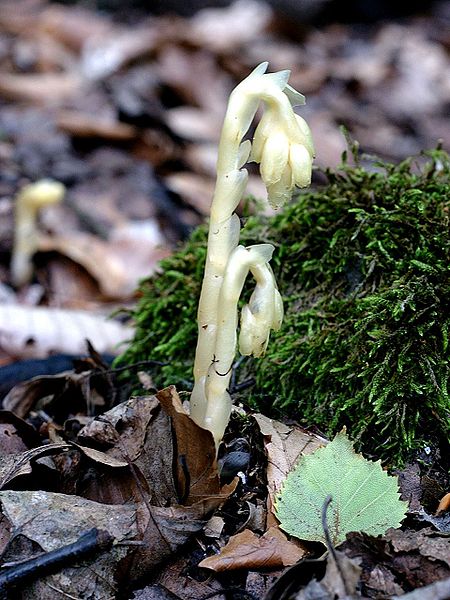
(283, 146)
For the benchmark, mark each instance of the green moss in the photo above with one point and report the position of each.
(363, 266)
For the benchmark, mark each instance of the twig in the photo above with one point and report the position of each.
(330, 546)
(50, 562)
(136, 365)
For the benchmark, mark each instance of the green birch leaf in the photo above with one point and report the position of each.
(364, 497)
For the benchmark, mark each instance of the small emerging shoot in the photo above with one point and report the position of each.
(29, 201)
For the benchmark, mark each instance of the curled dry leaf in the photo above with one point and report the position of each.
(161, 529)
(102, 457)
(23, 396)
(131, 419)
(444, 505)
(139, 432)
(130, 254)
(86, 390)
(176, 458)
(284, 446)
(15, 465)
(37, 332)
(197, 476)
(16, 435)
(246, 550)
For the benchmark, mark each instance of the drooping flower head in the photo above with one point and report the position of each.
(283, 143)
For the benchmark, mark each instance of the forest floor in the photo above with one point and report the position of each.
(127, 115)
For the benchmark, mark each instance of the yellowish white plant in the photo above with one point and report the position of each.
(283, 146)
(29, 201)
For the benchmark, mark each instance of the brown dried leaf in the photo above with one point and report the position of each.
(444, 505)
(175, 457)
(23, 396)
(85, 125)
(330, 577)
(341, 577)
(86, 389)
(408, 558)
(15, 465)
(74, 25)
(284, 445)
(246, 550)
(439, 590)
(169, 527)
(16, 435)
(410, 486)
(101, 457)
(258, 583)
(214, 527)
(429, 543)
(195, 190)
(176, 580)
(149, 432)
(54, 520)
(47, 89)
(117, 264)
(197, 476)
(139, 432)
(10, 441)
(127, 422)
(166, 529)
(383, 582)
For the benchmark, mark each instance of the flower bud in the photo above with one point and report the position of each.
(274, 158)
(300, 161)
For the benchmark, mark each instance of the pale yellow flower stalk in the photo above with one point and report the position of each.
(30, 199)
(283, 146)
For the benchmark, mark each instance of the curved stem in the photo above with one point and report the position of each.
(241, 261)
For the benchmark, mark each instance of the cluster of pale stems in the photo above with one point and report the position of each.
(283, 146)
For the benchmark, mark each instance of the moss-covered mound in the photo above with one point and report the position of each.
(364, 268)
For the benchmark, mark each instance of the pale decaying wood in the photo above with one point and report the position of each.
(37, 332)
